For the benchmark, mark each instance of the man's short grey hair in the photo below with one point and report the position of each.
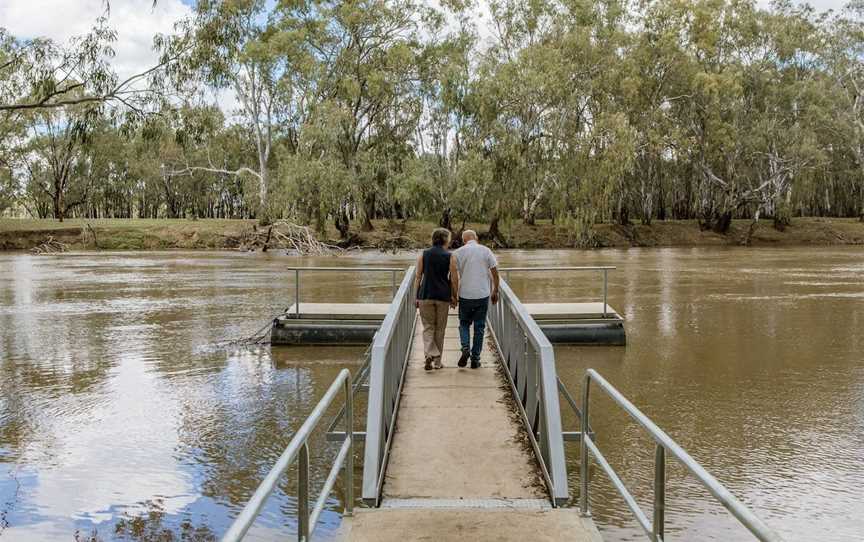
(440, 237)
(468, 235)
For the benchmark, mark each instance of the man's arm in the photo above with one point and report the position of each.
(496, 282)
(418, 278)
(454, 281)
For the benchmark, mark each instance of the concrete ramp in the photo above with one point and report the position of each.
(476, 525)
(457, 436)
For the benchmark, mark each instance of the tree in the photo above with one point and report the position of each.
(238, 48)
(371, 54)
(845, 56)
(39, 74)
(55, 157)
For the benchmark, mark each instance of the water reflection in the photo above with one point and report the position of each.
(119, 420)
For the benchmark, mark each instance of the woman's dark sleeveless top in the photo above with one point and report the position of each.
(436, 272)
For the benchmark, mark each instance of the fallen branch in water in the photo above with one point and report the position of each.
(287, 235)
(50, 246)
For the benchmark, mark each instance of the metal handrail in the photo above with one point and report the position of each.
(572, 436)
(389, 360)
(358, 384)
(604, 268)
(655, 528)
(299, 447)
(297, 270)
(529, 363)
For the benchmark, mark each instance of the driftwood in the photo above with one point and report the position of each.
(49, 246)
(286, 235)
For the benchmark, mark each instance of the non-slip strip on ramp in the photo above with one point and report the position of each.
(515, 504)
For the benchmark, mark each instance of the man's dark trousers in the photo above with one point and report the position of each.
(473, 311)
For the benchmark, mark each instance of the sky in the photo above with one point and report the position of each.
(136, 22)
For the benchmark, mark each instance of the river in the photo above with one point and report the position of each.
(121, 419)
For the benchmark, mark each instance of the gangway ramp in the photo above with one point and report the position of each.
(452, 454)
(461, 465)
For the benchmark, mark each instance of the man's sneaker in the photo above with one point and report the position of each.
(463, 360)
(428, 365)
(475, 364)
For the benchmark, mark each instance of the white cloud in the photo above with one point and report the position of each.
(136, 22)
(819, 5)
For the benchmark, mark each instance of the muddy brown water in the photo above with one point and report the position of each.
(120, 420)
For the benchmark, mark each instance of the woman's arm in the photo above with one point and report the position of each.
(418, 278)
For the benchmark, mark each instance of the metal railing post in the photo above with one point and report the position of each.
(298, 451)
(393, 289)
(303, 494)
(394, 271)
(658, 520)
(605, 290)
(603, 269)
(297, 292)
(655, 528)
(583, 446)
(349, 461)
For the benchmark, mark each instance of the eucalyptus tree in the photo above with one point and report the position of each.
(40, 74)
(238, 48)
(370, 54)
(54, 155)
(51, 98)
(8, 189)
(512, 100)
(189, 135)
(653, 78)
(844, 55)
(443, 130)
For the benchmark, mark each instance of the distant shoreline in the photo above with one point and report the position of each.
(217, 234)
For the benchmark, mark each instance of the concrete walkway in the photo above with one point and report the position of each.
(460, 467)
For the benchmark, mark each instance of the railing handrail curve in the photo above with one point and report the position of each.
(346, 268)
(299, 447)
(562, 268)
(353, 268)
(386, 375)
(604, 269)
(664, 443)
(534, 387)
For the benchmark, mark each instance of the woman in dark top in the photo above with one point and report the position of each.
(437, 286)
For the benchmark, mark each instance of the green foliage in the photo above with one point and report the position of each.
(583, 112)
(8, 190)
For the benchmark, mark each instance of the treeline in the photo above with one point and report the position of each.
(345, 111)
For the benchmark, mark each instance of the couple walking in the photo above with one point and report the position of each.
(467, 278)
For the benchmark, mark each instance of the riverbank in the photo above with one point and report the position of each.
(120, 234)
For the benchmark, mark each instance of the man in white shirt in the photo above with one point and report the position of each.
(478, 283)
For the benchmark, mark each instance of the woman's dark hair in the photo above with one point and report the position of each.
(440, 237)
